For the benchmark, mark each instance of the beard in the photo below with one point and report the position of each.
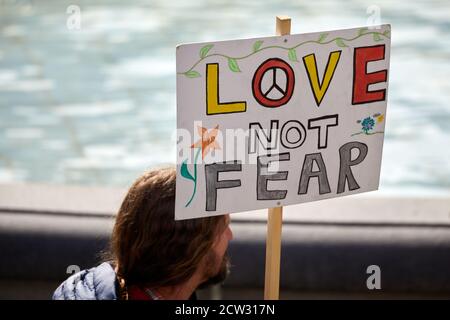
(213, 274)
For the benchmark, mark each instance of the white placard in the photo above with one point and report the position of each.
(279, 120)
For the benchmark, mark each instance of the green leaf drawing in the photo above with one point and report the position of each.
(340, 42)
(292, 55)
(257, 45)
(185, 172)
(233, 65)
(322, 37)
(362, 31)
(204, 51)
(376, 37)
(192, 74)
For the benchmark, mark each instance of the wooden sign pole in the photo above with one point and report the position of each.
(275, 216)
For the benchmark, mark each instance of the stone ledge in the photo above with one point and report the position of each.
(327, 245)
(362, 208)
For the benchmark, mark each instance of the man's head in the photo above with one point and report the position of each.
(150, 248)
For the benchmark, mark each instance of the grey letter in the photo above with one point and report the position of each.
(308, 173)
(213, 183)
(264, 176)
(72, 269)
(345, 172)
(374, 281)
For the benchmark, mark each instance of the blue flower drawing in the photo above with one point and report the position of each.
(367, 124)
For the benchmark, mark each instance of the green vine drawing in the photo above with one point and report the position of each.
(368, 133)
(292, 53)
(186, 174)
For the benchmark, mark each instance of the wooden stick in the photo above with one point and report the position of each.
(283, 27)
(273, 254)
(275, 216)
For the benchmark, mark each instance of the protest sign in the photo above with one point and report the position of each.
(280, 120)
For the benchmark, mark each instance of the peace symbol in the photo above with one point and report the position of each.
(273, 64)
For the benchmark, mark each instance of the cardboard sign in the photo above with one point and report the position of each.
(280, 120)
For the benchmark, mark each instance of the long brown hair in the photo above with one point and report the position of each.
(148, 247)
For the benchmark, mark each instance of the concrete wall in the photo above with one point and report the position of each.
(326, 248)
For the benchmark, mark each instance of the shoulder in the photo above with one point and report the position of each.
(97, 283)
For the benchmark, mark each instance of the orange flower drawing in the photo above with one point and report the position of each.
(208, 140)
(206, 144)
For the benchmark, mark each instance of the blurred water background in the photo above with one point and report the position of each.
(96, 106)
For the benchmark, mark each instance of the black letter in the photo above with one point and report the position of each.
(323, 123)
